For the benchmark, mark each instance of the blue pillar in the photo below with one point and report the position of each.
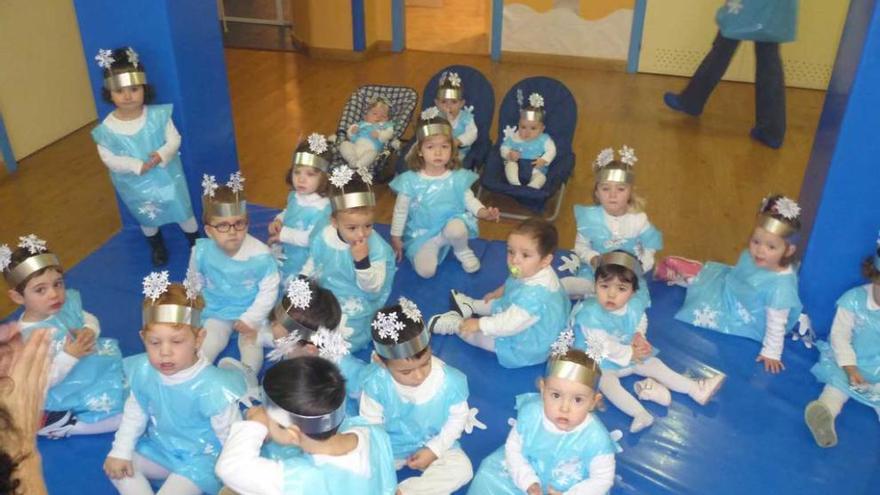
(180, 44)
(497, 25)
(358, 28)
(840, 189)
(398, 26)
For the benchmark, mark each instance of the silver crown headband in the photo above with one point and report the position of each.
(310, 425)
(156, 284)
(122, 77)
(404, 350)
(38, 260)
(623, 259)
(224, 208)
(388, 326)
(312, 157)
(340, 178)
(452, 90)
(425, 128)
(560, 367)
(606, 172)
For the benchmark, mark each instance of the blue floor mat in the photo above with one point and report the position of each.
(751, 439)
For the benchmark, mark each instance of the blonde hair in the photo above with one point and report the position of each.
(176, 294)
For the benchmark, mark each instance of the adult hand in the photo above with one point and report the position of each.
(23, 392)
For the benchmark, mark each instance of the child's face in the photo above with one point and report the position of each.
(410, 372)
(613, 293)
(523, 254)
(235, 227)
(614, 197)
(768, 249)
(436, 151)
(449, 106)
(172, 348)
(354, 226)
(529, 129)
(130, 98)
(306, 180)
(377, 113)
(44, 295)
(567, 403)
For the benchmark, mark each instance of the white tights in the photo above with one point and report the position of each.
(610, 386)
(104, 426)
(217, 334)
(455, 233)
(358, 154)
(511, 171)
(189, 226)
(446, 474)
(145, 470)
(577, 287)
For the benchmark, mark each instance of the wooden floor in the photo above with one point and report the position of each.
(458, 26)
(702, 178)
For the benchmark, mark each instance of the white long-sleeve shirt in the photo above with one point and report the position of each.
(368, 279)
(774, 333)
(131, 165)
(549, 149)
(242, 469)
(469, 135)
(601, 467)
(62, 362)
(614, 351)
(373, 412)
(515, 319)
(134, 419)
(626, 226)
(259, 310)
(841, 332)
(401, 205)
(300, 237)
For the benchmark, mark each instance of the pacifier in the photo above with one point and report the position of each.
(515, 272)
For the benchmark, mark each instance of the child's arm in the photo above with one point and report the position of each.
(841, 345)
(478, 209)
(308, 270)
(371, 411)
(509, 154)
(583, 248)
(614, 351)
(398, 223)
(452, 429)
(511, 321)
(549, 153)
(601, 477)
(370, 273)
(132, 427)
(774, 340)
(61, 366)
(296, 237)
(469, 135)
(521, 471)
(120, 164)
(240, 466)
(168, 151)
(264, 302)
(223, 421)
(385, 133)
(91, 321)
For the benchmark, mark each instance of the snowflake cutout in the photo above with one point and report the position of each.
(628, 155)
(150, 210)
(596, 348)
(410, 310)
(156, 284)
(734, 6)
(453, 79)
(106, 348)
(352, 305)
(193, 283)
(236, 182)
(341, 176)
(743, 313)
(133, 57)
(388, 326)
(536, 100)
(299, 293)
(365, 174)
(509, 131)
(604, 157)
(430, 113)
(317, 143)
(32, 243)
(563, 343)
(102, 403)
(105, 58)
(331, 345)
(5, 257)
(706, 317)
(284, 346)
(519, 97)
(209, 185)
(787, 207)
(568, 472)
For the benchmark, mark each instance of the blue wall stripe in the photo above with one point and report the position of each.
(635, 36)
(497, 20)
(358, 28)
(6, 149)
(398, 26)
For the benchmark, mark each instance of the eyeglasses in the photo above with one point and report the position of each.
(225, 227)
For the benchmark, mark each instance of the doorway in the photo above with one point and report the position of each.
(448, 26)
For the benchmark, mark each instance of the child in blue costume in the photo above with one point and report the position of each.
(367, 138)
(557, 444)
(529, 145)
(138, 142)
(85, 384)
(757, 298)
(240, 277)
(613, 327)
(308, 208)
(180, 408)
(348, 258)
(435, 206)
(618, 221)
(421, 401)
(305, 407)
(450, 101)
(522, 318)
(850, 366)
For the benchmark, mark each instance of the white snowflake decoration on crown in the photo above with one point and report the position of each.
(193, 283)
(787, 207)
(209, 185)
(156, 284)
(105, 58)
(341, 176)
(519, 97)
(317, 143)
(453, 79)
(410, 310)
(133, 57)
(331, 344)
(5, 257)
(509, 131)
(32, 243)
(536, 100)
(628, 155)
(604, 157)
(365, 174)
(596, 347)
(563, 343)
(388, 326)
(430, 113)
(299, 293)
(236, 182)
(284, 346)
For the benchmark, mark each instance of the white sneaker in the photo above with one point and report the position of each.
(821, 423)
(250, 376)
(469, 261)
(461, 304)
(445, 323)
(706, 388)
(649, 389)
(641, 422)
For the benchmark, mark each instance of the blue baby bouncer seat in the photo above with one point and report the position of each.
(560, 121)
(403, 101)
(479, 94)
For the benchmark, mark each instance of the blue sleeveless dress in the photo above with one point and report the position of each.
(465, 117)
(300, 217)
(529, 151)
(589, 314)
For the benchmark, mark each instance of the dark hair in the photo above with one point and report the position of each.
(768, 209)
(8, 465)
(869, 271)
(356, 184)
(223, 194)
(542, 231)
(121, 64)
(308, 386)
(323, 311)
(324, 185)
(19, 256)
(410, 330)
(415, 161)
(622, 273)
